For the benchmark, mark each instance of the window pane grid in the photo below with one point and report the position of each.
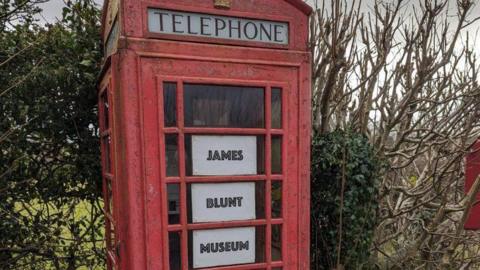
(184, 227)
(106, 139)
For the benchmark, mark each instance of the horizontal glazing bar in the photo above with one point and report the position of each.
(231, 131)
(226, 224)
(218, 225)
(277, 221)
(277, 264)
(215, 179)
(240, 267)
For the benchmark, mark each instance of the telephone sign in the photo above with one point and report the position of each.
(209, 26)
(205, 133)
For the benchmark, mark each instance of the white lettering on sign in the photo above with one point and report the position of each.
(223, 202)
(224, 155)
(210, 26)
(223, 247)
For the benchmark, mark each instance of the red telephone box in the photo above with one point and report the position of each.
(205, 131)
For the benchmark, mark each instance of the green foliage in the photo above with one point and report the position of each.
(335, 155)
(50, 184)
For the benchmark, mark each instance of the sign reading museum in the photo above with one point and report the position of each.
(223, 247)
(210, 26)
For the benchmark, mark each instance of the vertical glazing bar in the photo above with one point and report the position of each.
(163, 175)
(183, 185)
(285, 92)
(268, 173)
(104, 184)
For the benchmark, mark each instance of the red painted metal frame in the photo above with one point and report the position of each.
(134, 76)
(108, 176)
(287, 95)
(472, 171)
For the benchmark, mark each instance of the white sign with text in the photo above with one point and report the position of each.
(223, 247)
(217, 27)
(224, 155)
(223, 202)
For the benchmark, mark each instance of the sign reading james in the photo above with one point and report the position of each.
(223, 247)
(210, 26)
(223, 202)
(224, 155)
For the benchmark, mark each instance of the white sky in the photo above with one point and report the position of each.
(53, 10)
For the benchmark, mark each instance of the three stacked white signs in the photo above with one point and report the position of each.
(217, 202)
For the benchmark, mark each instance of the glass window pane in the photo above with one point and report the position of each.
(276, 242)
(109, 197)
(276, 108)
(276, 199)
(171, 149)
(260, 155)
(173, 203)
(174, 242)
(111, 235)
(170, 104)
(276, 155)
(260, 244)
(224, 106)
(106, 110)
(260, 199)
(107, 147)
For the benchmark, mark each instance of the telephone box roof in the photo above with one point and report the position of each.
(299, 4)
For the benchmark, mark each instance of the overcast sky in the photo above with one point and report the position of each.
(53, 10)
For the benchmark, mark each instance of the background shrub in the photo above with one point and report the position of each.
(349, 156)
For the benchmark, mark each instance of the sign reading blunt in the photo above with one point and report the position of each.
(205, 25)
(223, 202)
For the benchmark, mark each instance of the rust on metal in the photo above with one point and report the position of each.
(223, 3)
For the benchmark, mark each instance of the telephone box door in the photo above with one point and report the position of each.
(222, 159)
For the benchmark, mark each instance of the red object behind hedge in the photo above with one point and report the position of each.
(472, 170)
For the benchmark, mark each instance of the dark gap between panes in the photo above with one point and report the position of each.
(276, 154)
(276, 243)
(224, 106)
(171, 154)
(276, 108)
(173, 203)
(170, 104)
(260, 153)
(276, 199)
(174, 242)
(190, 250)
(260, 245)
